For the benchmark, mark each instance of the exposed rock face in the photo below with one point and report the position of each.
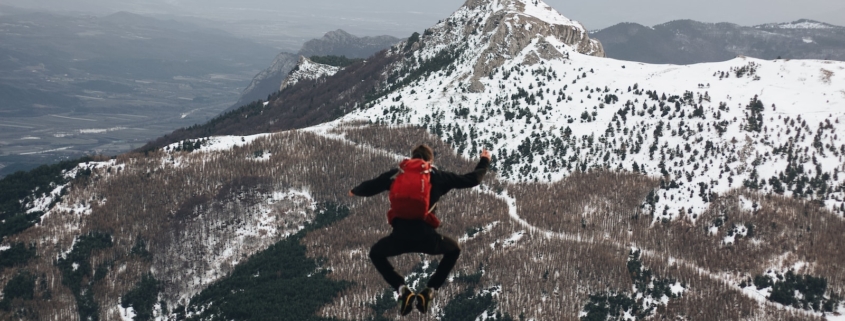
(307, 69)
(501, 29)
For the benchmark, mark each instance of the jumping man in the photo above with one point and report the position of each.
(415, 187)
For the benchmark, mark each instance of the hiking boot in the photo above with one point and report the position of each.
(424, 299)
(406, 300)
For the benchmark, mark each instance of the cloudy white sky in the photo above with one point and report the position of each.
(311, 18)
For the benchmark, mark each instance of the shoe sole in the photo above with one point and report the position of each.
(422, 305)
(408, 306)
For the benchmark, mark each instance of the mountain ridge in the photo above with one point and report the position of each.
(337, 43)
(689, 41)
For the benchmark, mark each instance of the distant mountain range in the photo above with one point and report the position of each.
(336, 43)
(688, 42)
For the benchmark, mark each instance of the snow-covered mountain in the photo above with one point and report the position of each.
(799, 24)
(549, 110)
(621, 191)
(689, 42)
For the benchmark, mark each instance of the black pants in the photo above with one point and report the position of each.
(414, 237)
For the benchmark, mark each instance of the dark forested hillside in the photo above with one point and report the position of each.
(304, 104)
(337, 61)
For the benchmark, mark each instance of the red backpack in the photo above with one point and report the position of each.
(411, 191)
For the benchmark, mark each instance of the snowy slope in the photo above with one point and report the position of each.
(800, 24)
(307, 69)
(548, 110)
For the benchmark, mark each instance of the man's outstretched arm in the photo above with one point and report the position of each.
(473, 178)
(375, 185)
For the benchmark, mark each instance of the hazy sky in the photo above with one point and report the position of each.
(401, 17)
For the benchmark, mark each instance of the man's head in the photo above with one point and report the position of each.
(423, 152)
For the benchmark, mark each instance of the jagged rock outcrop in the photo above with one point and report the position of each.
(307, 69)
(501, 29)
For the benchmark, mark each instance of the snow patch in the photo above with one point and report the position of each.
(677, 288)
(747, 205)
(42, 204)
(804, 25)
(100, 130)
(546, 13)
(514, 238)
(838, 316)
(219, 143)
(261, 155)
(126, 314)
(735, 232)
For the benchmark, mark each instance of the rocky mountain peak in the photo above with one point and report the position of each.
(342, 43)
(338, 35)
(307, 69)
(497, 30)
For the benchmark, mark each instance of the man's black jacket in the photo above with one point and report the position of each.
(441, 181)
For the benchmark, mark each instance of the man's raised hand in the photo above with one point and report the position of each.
(485, 154)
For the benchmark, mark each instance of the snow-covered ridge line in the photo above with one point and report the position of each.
(800, 24)
(213, 143)
(308, 70)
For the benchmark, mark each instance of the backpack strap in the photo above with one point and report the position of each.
(431, 208)
(400, 171)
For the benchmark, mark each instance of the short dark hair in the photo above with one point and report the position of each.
(423, 152)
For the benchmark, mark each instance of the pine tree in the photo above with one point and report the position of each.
(754, 117)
